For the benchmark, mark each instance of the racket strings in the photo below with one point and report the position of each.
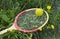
(29, 21)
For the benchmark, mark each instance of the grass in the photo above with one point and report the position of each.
(10, 8)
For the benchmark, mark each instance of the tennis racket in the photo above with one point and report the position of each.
(27, 21)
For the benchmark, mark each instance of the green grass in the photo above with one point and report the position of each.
(10, 8)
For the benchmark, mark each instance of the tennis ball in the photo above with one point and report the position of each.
(39, 12)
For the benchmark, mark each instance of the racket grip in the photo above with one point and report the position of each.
(6, 30)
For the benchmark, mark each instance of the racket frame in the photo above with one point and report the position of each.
(27, 31)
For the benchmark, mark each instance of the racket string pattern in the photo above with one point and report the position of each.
(29, 21)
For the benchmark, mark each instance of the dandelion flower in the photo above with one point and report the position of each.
(52, 26)
(39, 12)
(30, 38)
(49, 7)
(11, 30)
(40, 28)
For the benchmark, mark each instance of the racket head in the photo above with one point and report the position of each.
(29, 30)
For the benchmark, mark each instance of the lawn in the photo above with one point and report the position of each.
(10, 8)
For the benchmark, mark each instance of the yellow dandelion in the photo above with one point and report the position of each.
(49, 7)
(11, 30)
(39, 12)
(40, 28)
(52, 26)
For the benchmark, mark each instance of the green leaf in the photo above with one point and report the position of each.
(11, 13)
(5, 18)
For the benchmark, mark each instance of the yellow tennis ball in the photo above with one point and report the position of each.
(39, 12)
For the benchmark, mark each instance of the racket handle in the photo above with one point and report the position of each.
(6, 30)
